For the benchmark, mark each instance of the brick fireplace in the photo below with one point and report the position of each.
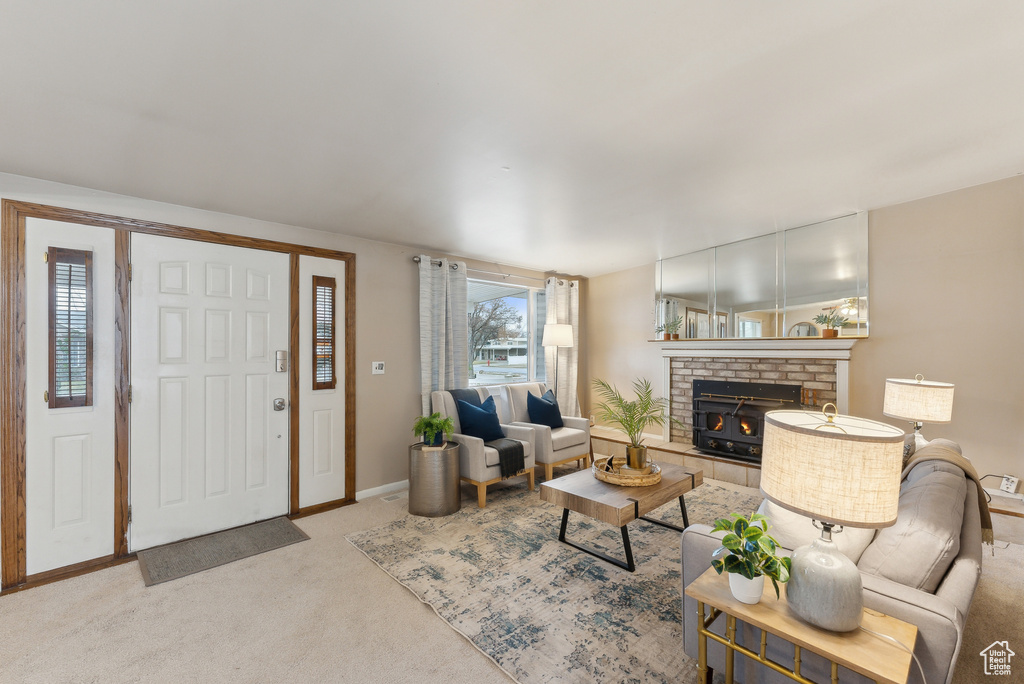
(819, 366)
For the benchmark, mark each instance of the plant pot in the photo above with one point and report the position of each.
(666, 336)
(746, 590)
(438, 440)
(636, 457)
(675, 336)
(830, 332)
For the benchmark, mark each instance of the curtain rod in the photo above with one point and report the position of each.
(454, 267)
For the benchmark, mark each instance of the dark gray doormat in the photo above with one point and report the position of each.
(165, 563)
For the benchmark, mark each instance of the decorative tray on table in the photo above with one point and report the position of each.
(624, 476)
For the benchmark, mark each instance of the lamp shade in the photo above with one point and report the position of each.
(557, 335)
(832, 468)
(918, 400)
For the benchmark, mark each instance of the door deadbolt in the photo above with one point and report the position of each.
(282, 362)
(279, 404)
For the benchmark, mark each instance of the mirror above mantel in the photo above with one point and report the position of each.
(772, 286)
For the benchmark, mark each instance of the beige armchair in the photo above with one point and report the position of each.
(479, 464)
(551, 446)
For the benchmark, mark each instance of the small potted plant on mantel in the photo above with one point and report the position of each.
(831, 321)
(672, 327)
(434, 428)
(749, 556)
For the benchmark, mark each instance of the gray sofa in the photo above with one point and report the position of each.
(923, 570)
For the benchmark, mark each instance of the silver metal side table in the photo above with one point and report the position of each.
(434, 487)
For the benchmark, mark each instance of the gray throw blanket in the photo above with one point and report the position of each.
(511, 456)
(470, 396)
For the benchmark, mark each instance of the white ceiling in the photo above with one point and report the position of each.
(584, 136)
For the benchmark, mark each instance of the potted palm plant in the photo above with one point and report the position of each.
(831, 321)
(748, 554)
(433, 428)
(632, 415)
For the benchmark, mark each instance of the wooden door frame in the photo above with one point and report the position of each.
(13, 383)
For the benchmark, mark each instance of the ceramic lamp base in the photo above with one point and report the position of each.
(825, 588)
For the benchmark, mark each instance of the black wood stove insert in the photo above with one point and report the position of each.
(728, 417)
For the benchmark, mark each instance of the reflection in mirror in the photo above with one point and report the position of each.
(826, 266)
(746, 279)
(684, 287)
(773, 285)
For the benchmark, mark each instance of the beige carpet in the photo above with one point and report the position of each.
(319, 611)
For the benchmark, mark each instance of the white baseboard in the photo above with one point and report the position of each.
(382, 490)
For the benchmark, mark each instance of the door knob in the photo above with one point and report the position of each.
(279, 404)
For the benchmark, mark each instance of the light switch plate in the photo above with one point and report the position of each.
(377, 368)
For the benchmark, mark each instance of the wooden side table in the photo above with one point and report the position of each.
(875, 657)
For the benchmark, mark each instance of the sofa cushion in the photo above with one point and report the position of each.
(919, 548)
(793, 530)
(544, 410)
(565, 437)
(480, 422)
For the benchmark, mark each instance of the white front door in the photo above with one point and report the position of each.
(209, 451)
(69, 468)
(321, 411)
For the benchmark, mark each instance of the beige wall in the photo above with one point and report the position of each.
(620, 320)
(387, 312)
(946, 277)
(960, 254)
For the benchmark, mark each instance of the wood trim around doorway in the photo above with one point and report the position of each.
(13, 392)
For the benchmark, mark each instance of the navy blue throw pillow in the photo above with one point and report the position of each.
(544, 410)
(480, 422)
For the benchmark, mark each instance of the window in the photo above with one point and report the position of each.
(323, 333)
(504, 338)
(70, 282)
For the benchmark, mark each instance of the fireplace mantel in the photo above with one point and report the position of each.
(779, 348)
(719, 356)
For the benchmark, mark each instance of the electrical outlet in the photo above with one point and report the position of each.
(377, 368)
(1009, 484)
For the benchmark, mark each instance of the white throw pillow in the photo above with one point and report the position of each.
(793, 530)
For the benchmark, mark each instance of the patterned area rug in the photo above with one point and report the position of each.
(543, 611)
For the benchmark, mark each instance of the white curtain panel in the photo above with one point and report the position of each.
(444, 322)
(563, 304)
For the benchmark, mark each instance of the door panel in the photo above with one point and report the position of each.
(321, 412)
(208, 450)
(69, 489)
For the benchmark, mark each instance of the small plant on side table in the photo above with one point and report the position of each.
(432, 427)
(749, 552)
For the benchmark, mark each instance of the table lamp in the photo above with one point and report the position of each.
(918, 401)
(839, 471)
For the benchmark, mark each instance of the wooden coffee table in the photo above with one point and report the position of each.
(583, 493)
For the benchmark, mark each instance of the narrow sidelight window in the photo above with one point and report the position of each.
(70, 275)
(323, 333)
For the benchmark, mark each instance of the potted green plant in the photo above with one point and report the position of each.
(749, 556)
(672, 327)
(660, 330)
(831, 322)
(632, 415)
(434, 428)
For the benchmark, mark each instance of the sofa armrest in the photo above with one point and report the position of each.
(541, 440)
(577, 423)
(939, 623)
(471, 450)
(523, 434)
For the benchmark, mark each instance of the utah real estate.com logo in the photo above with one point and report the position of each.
(997, 658)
